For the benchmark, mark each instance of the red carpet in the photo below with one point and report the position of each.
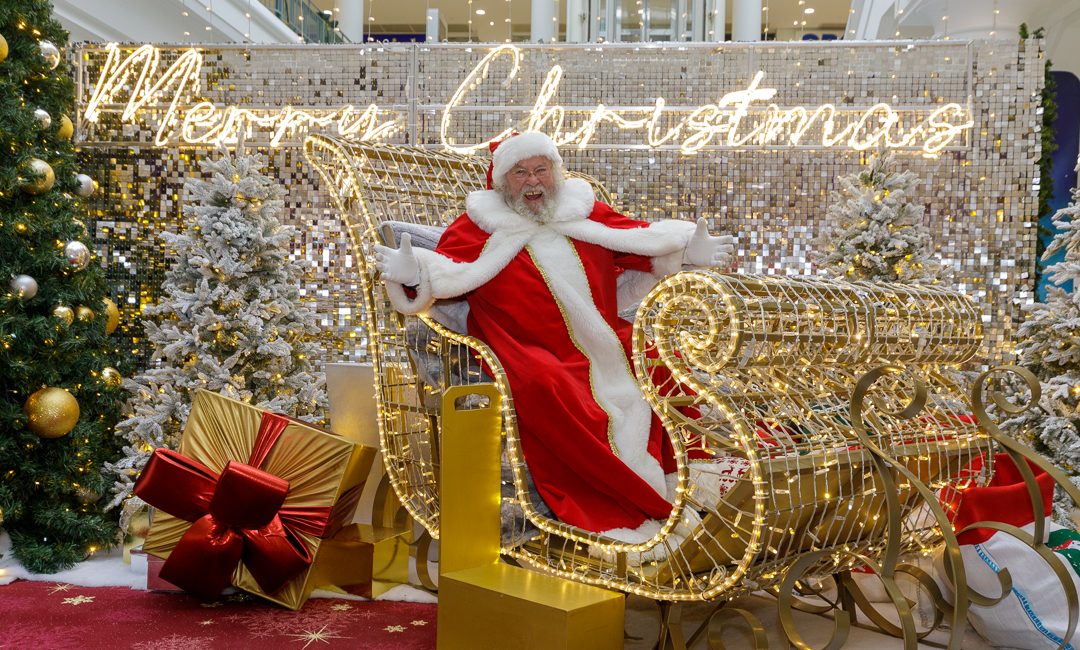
(47, 616)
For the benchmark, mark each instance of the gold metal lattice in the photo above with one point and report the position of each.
(815, 423)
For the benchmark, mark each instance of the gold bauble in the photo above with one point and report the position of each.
(85, 314)
(53, 412)
(112, 315)
(37, 176)
(111, 376)
(3, 48)
(64, 313)
(67, 129)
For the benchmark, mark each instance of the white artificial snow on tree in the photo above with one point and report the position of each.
(1050, 347)
(873, 230)
(230, 321)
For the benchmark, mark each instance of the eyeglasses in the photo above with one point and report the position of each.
(522, 174)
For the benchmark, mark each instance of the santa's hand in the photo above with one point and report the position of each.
(705, 250)
(398, 264)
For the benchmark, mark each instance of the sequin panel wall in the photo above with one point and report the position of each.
(750, 136)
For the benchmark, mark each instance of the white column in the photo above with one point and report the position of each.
(577, 21)
(715, 23)
(350, 17)
(746, 20)
(545, 25)
(436, 28)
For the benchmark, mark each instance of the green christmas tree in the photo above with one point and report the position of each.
(59, 389)
(873, 230)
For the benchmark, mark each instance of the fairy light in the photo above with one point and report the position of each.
(724, 123)
(138, 76)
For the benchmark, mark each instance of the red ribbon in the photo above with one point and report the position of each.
(238, 516)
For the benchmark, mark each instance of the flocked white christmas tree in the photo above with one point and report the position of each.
(1049, 346)
(874, 232)
(230, 321)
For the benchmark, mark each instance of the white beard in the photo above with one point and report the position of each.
(546, 210)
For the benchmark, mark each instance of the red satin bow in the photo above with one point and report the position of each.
(237, 516)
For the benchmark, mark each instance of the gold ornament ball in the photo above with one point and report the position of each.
(111, 376)
(64, 313)
(112, 315)
(38, 176)
(53, 412)
(84, 314)
(67, 129)
(3, 48)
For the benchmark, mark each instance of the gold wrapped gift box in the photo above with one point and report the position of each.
(323, 470)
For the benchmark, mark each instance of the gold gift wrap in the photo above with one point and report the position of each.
(322, 469)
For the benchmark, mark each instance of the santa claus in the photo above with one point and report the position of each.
(545, 268)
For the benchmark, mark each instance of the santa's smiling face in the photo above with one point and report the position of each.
(531, 186)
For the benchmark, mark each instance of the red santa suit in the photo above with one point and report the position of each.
(545, 297)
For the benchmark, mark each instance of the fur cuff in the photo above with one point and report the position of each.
(416, 305)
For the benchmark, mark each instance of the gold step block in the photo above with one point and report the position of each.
(377, 559)
(502, 606)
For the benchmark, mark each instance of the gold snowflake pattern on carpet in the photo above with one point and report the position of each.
(394, 628)
(419, 622)
(78, 600)
(60, 587)
(322, 636)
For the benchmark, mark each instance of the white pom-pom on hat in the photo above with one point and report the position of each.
(516, 148)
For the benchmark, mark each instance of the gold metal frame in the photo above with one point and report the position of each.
(841, 401)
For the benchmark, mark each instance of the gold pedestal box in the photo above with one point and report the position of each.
(484, 603)
(502, 606)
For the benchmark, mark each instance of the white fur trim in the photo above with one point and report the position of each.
(489, 211)
(643, 533)
(613, 384)
(406, 305)
(657, 239)
(450, 279)
(513, 150)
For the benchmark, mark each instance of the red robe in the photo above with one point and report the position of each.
(545, 298)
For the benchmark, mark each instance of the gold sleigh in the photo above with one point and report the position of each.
(832, 414)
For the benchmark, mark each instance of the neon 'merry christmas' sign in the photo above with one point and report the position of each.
(737, 120)
(724, 123)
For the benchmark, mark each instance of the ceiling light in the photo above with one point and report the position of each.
(480, 12)
(808, 10)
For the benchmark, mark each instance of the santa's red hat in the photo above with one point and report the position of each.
(518, 147)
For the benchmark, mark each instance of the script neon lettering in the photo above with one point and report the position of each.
(205, 122)
(735, 120)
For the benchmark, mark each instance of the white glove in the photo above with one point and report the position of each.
(705, 250)
(398, 264)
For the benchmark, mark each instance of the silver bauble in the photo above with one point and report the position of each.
(86, 185)
(50, 53)
(77, 254)
(43, 118)
(24, 286)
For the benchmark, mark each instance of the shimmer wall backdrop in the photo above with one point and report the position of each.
(751, 136)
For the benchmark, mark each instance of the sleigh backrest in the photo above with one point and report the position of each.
(382, 191)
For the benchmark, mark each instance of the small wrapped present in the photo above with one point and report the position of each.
(249, 499)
